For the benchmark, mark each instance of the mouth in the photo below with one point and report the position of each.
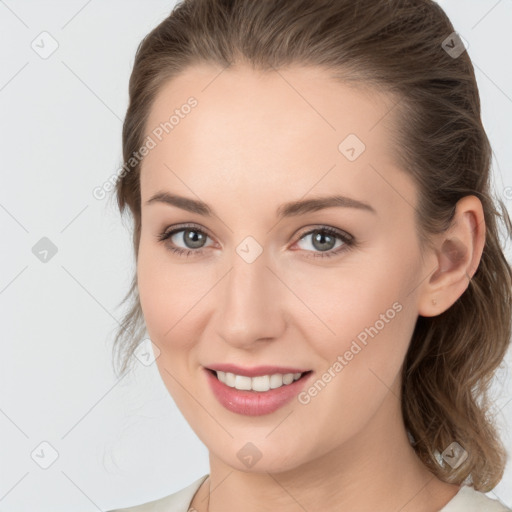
(263, 392)
(259, 383)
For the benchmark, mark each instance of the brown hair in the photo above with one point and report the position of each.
(397, 46)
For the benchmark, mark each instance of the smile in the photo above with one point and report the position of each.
(255, 395)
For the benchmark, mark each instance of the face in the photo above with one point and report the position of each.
(327, 291)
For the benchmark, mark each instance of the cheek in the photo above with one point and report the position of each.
(168, 294)
(368, 316)
(353, 300)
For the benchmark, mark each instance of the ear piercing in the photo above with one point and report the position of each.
(434, 301)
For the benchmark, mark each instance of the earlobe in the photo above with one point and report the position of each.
(457, 253)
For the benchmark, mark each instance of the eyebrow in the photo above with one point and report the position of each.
(290, 209)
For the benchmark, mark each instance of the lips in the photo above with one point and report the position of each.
(250, 402)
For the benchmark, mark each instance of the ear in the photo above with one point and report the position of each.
(457, 253)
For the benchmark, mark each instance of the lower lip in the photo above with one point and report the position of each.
(254, 403)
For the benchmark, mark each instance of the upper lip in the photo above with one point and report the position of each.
(254, 371)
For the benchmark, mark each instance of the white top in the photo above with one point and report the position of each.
(466, 500)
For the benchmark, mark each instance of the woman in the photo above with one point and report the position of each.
(347, 377)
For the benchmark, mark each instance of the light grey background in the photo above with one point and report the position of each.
(117, 443)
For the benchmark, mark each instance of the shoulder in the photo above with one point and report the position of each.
(176, 502)
(470, 500)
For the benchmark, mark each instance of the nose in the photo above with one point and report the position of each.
(251, 303)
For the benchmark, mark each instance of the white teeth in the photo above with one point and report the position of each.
(276, 381)
(242, 382)
(288, 378)
(260, 383)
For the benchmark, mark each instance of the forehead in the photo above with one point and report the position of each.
(293, 129)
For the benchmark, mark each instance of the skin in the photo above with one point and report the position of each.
(253, 142)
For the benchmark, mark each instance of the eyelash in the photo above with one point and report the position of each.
(348, 240)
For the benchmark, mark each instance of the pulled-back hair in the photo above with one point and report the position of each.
(401, 47)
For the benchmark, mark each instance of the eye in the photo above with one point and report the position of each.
(190, 235)
(323, 239)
